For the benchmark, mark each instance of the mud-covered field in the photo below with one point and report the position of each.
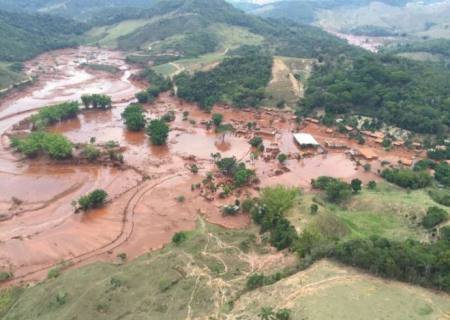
(38, 227)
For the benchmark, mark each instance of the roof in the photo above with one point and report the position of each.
(368, 154)
(305, 139)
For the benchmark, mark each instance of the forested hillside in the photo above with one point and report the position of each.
(409, 94)
(23, 35)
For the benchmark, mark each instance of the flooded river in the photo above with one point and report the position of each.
(38, 227)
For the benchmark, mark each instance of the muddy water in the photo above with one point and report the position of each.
(37, 225)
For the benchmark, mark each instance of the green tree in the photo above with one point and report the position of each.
(372, 185)
(224, 129)
(217, 119)
(134, 118)
(142, 97)
(434, 216)
(338, 191)
(158, 131)
(356, 185)
(95, 199)
(282, 158)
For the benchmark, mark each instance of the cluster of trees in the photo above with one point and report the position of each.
(426, 264)
(336, 190)
(96, 101)
(239, 81)
(53, 114)
(408, 94)
(230, 167)
(434, 216)
(55, 145)
(94, 200)
(158, 131)
(134, 117)
(269, 211)
(441, 196)
(158, 84)
(439, 154)
(407, 178)
(442, 173)
(435, 46)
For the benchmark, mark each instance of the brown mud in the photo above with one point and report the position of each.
(38, 227)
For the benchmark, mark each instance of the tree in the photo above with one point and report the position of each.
(158, 131)
(434, 216)
(338, 191)
(442, 173)
(256, 142)
(372, 185)
(134, 117)
(179, 237)
(223, 129)
(356, 185)
(444, 233)
(227, 166)
(217, 119)
(142, 97)
(282, 158)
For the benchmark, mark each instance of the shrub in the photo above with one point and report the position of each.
(142, 97)
(442, 173)
(54, 273)
(356, 185)
(95, 199)
(158, 132)
(55, 145)
(282, 158)
(314, 209)
(91, 152)
(372, 185)
(248, 204)
(169, 116)
(441, 196)
(434, 216)
(179, 237)
(256, 142)
(5, 276)
(444, 233)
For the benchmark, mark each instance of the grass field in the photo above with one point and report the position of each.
(205, 276)
(328, 291)
(388, 211)
(193, 280)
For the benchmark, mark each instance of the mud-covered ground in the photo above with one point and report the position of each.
(38, 227)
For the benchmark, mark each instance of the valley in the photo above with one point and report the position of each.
(183, 159)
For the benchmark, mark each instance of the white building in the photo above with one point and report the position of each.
(305, 140)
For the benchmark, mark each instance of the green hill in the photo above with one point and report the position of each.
(24, 35)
